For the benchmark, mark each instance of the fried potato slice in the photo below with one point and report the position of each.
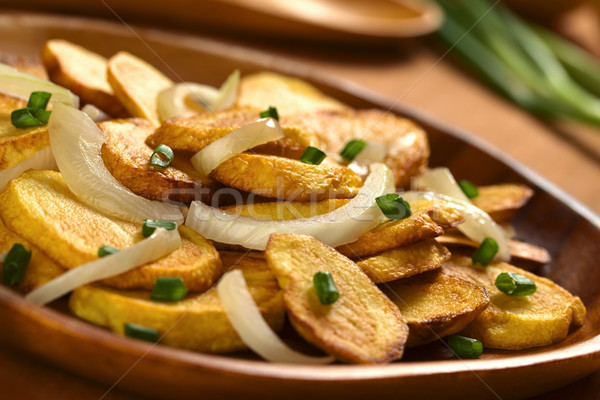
(283, 178)
(405, 261)
(83, 72)
(136, 84)
(197, 322)
(436, 304)
(290, 95)
(196, 132)
(407, 145)
(18, 144)
(34, 207)
(362, 326)
(127, 157)
(286, 210)
(503, 201)
(392, 234)
(519, 322)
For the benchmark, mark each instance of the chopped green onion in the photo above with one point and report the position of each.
(325, 288)
(485, 252)
(23, 118)
(168, 289)
(15, 264)
(352, 148)
(514, 284)
(393, 206)
(38, 100)
(312, 156)
(150, 226)
(465, 347)
(270, 112)
(468, 189)
(106, 251)
(162, 157)
(35, 113)
(141, 332)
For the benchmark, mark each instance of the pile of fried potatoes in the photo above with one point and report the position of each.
(399, 284)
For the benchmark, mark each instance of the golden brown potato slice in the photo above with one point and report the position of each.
(197, 322)
(18, 144)
(24, 64)
(362, 326)
(286, 210)
(127, 157)
(405, 261)
(82, 72)
(196, 132)
(136, 84)
(501, 202)
(290, 95)
(440, 212)
(392, 234)
(34, 207)
(519, 322)
(408, 149)
(283, 178)
(436, 304)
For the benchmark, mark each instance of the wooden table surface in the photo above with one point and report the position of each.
(413, 73)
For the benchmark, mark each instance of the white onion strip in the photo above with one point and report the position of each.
(43, 159)
(20, 84)
(95, 113)
(441, 180)
(252, 328)
(248, 136)
(76, 142)
(374, 152)
(343, 225)
(477, 225)
(158, 245)
(227, 92)
(171, 102)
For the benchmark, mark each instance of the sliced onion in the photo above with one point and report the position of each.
(441, 180)
(227, 93)
(171, 102)
(43, 159)
(20, 84)
(158, 245)
(374, 152)
(477, 225)
(343, 225)
(252, 328)
(95, 113)
(76, 142)
(248, 136)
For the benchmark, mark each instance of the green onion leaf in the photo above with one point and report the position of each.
(270, 112)
(162, 157)
(514, 284)
(468, 189)
(38, 100)
(141, 332)
(485, 252)
(393, 206)
(35, 113)
(23, 118)
(168, 289)
(465, 347)
(15, 264)
(42, 115)
(312, 156)
(352, 148)
(325, 288)
(150, 226)
(106, 251)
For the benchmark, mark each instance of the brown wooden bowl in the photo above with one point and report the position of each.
(551, 219)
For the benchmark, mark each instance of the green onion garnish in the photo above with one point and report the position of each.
(270, 112)
(168, 289)
(468, 189)
(325, 288)
(106, 251)
(141, 332)
(485, 252)
(515, 284)
(352, 148)
(22, 118)
(393, 206)
(162, 157)
(15, 264)
(465, 347)
(312, 156)
(38, 100)
(34, 114)
(150, 226)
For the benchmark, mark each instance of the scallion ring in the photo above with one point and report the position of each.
(104, 251)
(514, 284)
(141, 332)
(465, 347)
(325, 287)
(35, 113)
(168, 289)
(23, 118)
(469, 189)
(150, 226)
(38, 100)
(352, 148)
(485, 252)
(15, 264)
(393, 206)
(312, 156)
(162, 157)
(270, 112)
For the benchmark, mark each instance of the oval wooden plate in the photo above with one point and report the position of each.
(552, 219)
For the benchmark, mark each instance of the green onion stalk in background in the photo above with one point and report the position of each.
(530, 65)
